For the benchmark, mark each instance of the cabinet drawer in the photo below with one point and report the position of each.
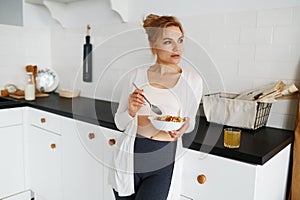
(11, 116)
(44, 120)
(91, 138)
(206, 176)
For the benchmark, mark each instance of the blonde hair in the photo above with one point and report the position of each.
(155, 24)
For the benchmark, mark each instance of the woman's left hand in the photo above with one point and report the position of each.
(178, 133)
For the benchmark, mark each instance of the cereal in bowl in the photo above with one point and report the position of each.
(169, 118)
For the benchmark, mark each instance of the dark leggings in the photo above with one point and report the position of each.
(153, 165)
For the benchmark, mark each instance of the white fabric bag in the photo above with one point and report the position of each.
(220, 109)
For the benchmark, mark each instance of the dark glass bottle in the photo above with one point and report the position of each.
(87, 58)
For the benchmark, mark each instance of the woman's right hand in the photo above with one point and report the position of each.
(136, 101)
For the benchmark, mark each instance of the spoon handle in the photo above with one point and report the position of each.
(143, 95)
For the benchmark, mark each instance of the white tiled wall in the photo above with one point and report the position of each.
(232, 51)
(247, 49)
(276, 17)
(19, 47)
(254, 48)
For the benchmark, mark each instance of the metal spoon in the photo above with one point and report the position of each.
(154, 108)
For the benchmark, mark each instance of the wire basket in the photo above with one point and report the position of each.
(223, 108)
(262, 114)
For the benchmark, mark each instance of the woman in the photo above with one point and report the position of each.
(144, 159)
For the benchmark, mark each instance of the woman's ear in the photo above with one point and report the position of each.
(153, 50)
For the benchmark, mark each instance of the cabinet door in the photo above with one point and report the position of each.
(111, 138)
(44, 151)
(182, 197)
(272, 177)
(207, 176)
(27, 195)
(82, 161)
(12, 161)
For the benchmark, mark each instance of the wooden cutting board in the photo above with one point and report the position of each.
(23, 97)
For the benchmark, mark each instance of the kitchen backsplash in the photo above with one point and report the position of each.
(233, 52)
(21, 46)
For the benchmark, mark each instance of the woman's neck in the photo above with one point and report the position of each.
(166, 69)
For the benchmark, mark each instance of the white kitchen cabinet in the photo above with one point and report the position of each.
(82, 160)
(206, 176)
(26, 195)
(271, 178)
(78, 168)
(182, 197)
(12, 174)
(45, 164)
(70, 159)
(43, 151)
(225, 179)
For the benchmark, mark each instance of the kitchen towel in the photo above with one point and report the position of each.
(295, 185)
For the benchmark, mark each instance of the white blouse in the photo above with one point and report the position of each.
(188, 89)
(165, 99)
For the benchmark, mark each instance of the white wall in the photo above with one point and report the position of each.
(21, 46)
(244, 50)
(25, 45)
(234, 49)
(138, 8)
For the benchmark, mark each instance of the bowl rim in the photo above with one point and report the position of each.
(152, 119)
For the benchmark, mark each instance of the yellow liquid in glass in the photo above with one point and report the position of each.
(232, 138)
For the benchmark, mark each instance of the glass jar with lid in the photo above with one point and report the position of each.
(29, 87)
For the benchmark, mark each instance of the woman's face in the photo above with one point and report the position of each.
(169, 47)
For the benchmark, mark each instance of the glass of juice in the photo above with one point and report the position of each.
(232, 137)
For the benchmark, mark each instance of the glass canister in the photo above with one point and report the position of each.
(29, 87)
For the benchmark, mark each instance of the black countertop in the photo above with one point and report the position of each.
(256, 147)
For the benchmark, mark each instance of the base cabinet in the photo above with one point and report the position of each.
(70, 159)
(76, 168)
(12, 174)
(26, 195)
(87, 155)
(182, 197)
(45, 164)
(206, 176)
(43, 154)
(210, 177)
(82, 161)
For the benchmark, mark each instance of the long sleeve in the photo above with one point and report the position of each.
(196, 85)
(122, 117)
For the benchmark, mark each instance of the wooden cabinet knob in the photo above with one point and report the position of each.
(53, 146)
(91, 136)
(112, 142)
(43, 120)
(201, 179)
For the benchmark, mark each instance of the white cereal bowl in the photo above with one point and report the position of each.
(165, 125)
